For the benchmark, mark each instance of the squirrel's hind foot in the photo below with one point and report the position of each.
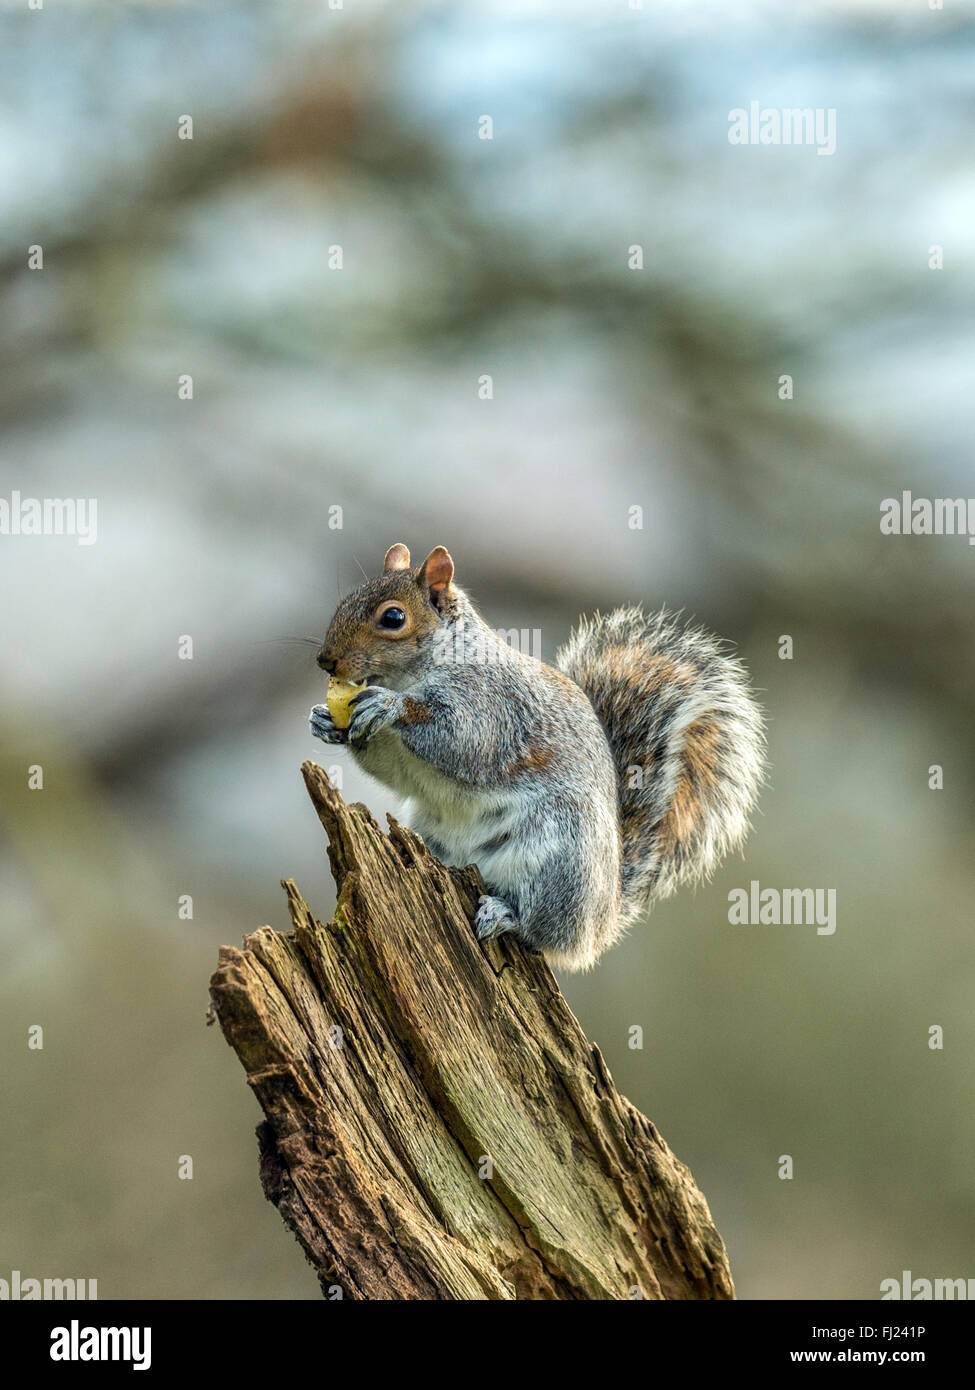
(493, 918)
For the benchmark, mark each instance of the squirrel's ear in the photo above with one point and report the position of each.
(435, 575)
(397, 558)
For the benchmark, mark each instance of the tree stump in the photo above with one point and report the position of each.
(438, 1125)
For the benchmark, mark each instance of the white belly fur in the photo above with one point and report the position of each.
(461, 819)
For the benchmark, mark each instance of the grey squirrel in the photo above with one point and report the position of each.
(582, 793)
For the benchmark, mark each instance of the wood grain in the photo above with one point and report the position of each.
(438, 1125)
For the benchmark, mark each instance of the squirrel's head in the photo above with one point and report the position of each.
(383, 631)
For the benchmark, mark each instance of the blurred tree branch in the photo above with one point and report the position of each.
(787, 495)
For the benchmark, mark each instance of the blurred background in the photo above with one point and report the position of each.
(337, 259)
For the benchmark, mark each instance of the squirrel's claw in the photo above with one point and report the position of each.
(323, 726)
(492, 918)
(373, 710)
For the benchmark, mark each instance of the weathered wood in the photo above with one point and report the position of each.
(438, 1125)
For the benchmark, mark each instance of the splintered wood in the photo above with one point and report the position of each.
(438, 1124)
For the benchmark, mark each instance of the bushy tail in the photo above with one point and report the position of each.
(688, 739)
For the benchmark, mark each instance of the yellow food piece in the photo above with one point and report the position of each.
(338, 700)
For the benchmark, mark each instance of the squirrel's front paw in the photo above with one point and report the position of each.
(323, 726)
(374, 709)
(493, 917)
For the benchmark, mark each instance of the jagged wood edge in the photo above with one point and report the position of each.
(460, 1137)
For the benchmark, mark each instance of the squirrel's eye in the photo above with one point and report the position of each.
(392, 618)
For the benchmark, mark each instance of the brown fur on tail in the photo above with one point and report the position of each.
(687, 738)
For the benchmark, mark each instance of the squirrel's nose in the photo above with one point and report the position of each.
(327, 663)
